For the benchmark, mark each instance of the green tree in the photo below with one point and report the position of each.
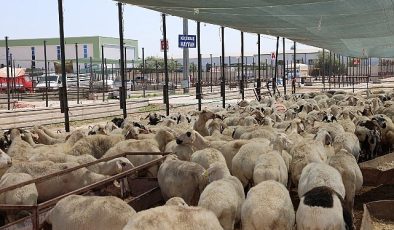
(321, 65)
(151, 63)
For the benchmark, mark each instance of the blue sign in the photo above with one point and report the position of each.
(187, 41)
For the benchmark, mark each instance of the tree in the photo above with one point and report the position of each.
(320, 66)
(151, 62)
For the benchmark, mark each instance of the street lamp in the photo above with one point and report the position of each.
(211, 72)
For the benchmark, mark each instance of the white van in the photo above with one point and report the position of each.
(54, 82)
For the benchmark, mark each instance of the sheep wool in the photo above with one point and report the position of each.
(90, 212)
(174, 218)
(268, 207)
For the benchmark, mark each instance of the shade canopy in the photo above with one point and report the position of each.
(357, 28)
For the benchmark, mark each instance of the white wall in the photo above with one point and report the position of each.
(22, 54)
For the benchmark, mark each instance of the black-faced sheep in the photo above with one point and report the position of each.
(322, 208)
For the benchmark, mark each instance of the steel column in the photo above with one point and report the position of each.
(242, 67)
(46, 74)
(284, 67)
(63, 62)
(223, 79)
(259, 68)
(76, 61)
(122, 60)
(167, 100)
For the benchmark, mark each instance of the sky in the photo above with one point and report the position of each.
(39, 19)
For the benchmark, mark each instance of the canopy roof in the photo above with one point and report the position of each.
(19, 72)
(358, 28)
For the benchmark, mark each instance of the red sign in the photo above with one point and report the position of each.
(273, 56)
(163, 45)
(356, 61)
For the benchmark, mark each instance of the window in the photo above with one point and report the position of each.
(85, 51)
(58, 52)
(33, 57)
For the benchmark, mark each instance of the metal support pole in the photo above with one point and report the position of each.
(324, 70)
(223, 80)
(284, 67)
(198, 84)
(8, 73)
(294, 67)
(91, 74)
(186, 58)
(143, 72)
(330, 71)
(63, 61)
(122, 60)
(259, 66)
(276, 67)
(76, 61)
(46, 74)
(167, 100)
(229, 72)
(242, 67)
(210, 70)
(102, 70)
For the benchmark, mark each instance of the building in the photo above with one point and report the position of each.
(29, 53)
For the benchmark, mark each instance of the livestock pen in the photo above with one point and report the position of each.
(145, 192)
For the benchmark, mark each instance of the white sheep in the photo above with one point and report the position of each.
(95, 145)
(307, 151)
(181, 179)
(351, 174)
(110, 167)
(206, 157)
(176, 201)
(137, 160)
(321, 208)
(348, 141)
(270, 166)
(224, 196)
(172, 217)
(268, 207)
(56, 186)
(19, 149)
(320, 174)
(26, 195)
(89, 212)
(5, 162)
(200, 124)
(244, 161)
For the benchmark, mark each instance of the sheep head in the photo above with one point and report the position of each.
(187, 138)
(324, 136)
(5, 160)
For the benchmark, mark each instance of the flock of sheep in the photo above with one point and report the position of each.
(229, 168)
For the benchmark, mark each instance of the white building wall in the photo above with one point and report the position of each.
(23, 55)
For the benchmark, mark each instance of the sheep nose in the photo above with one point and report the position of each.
(179, 141)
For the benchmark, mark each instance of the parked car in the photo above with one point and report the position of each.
(54, 83)
(118, 84)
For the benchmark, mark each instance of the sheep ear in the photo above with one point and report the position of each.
(288, 127)
(327, 140)
(119, 166)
